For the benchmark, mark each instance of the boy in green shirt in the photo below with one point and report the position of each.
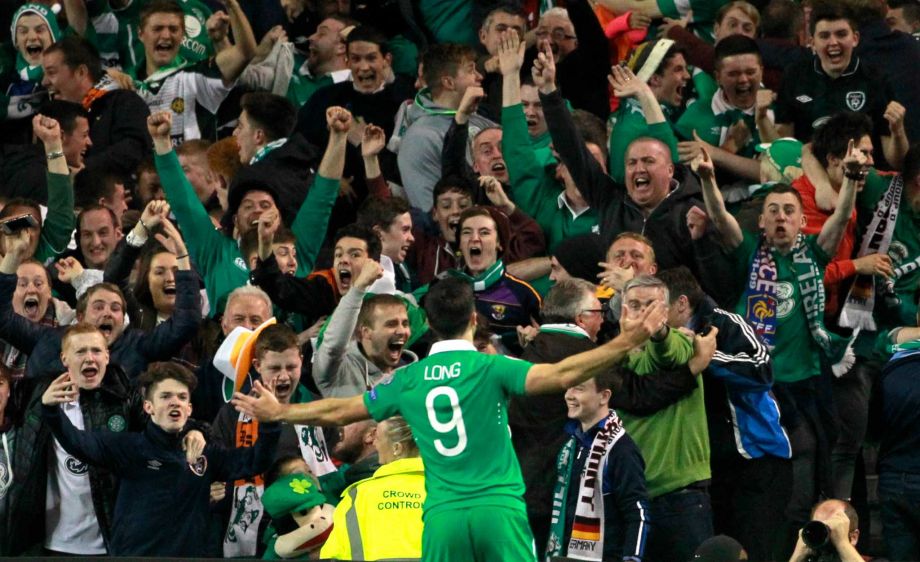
(456, 403)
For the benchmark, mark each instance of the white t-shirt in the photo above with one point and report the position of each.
(179, 92)
(70, 520)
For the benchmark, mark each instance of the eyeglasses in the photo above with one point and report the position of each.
(558, 34)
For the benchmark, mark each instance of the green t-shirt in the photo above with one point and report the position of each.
(303, 84)
(196, 45)
(796, 356)
(456, 402)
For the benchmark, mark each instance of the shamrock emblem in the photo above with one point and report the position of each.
(301, 485)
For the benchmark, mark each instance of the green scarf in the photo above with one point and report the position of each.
(153, 82)
(485, 279)
(837, 349)
(263, 152)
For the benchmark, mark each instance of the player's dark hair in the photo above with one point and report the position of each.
(449, 304)
(833, 137)
(274, 114)
(360, 232)
(166, 370)
(78, 51)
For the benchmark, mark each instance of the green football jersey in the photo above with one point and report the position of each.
(456, 402)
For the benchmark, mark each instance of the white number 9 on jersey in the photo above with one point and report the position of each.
(455, 422)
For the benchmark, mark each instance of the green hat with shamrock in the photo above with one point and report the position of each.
(294, 492)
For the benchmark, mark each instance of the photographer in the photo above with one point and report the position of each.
(831, 535)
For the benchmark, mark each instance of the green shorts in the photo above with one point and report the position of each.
(478, 534)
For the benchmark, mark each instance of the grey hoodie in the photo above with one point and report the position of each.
(418, 139)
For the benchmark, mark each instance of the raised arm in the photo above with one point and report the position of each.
(545, 378)
(895, 144)
(724, 222)
(59, 222)
(233, 60)
(855, 170)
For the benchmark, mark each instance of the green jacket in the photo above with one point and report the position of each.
(60, 222)
(628, 124)
(218, 256)
(533, 185)
(674, 441)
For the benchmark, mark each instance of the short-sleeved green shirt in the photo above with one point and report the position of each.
(796, 356)
(456, 402)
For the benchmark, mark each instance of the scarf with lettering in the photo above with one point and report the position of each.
(857, 310)
(761, 302)
(586, 541)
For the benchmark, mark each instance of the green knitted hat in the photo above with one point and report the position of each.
(783, 153)
(294, 492)
(41, 11)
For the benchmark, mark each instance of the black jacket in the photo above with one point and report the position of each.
(666, 226)
(582, 75)
(118, 129)
(114, 406)
(133, 350)
(288, 171)
(163, 504)
(23, 170)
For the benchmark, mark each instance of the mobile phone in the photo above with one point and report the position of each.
(15, 224)
(704, 331)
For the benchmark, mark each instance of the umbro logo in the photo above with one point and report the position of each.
(803, 99)
(154, 464)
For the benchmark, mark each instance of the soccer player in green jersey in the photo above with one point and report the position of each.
(456, 402)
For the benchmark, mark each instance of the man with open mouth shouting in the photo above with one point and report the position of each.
(835, 79)
(61, 504)
(103, 306)
(163, 503)
(278, 361)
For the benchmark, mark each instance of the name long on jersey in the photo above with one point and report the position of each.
(192, 92)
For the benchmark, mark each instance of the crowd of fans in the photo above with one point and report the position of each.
(208, 198)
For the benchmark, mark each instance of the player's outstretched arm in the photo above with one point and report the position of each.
(556, 377)
(330, 411)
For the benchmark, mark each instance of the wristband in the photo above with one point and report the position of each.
(141, 222)
(56, 154)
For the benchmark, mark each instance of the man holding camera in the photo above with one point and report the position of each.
(830, 536)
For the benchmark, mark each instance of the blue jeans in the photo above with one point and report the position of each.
(899, 493)
(680, 521)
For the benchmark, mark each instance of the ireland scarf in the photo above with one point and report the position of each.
(586, 541)
(761, 301)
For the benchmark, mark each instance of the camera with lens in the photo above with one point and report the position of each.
(817, 537)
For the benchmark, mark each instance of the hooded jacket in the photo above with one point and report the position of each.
(340, 368)
(113, 406)
(665, 226)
